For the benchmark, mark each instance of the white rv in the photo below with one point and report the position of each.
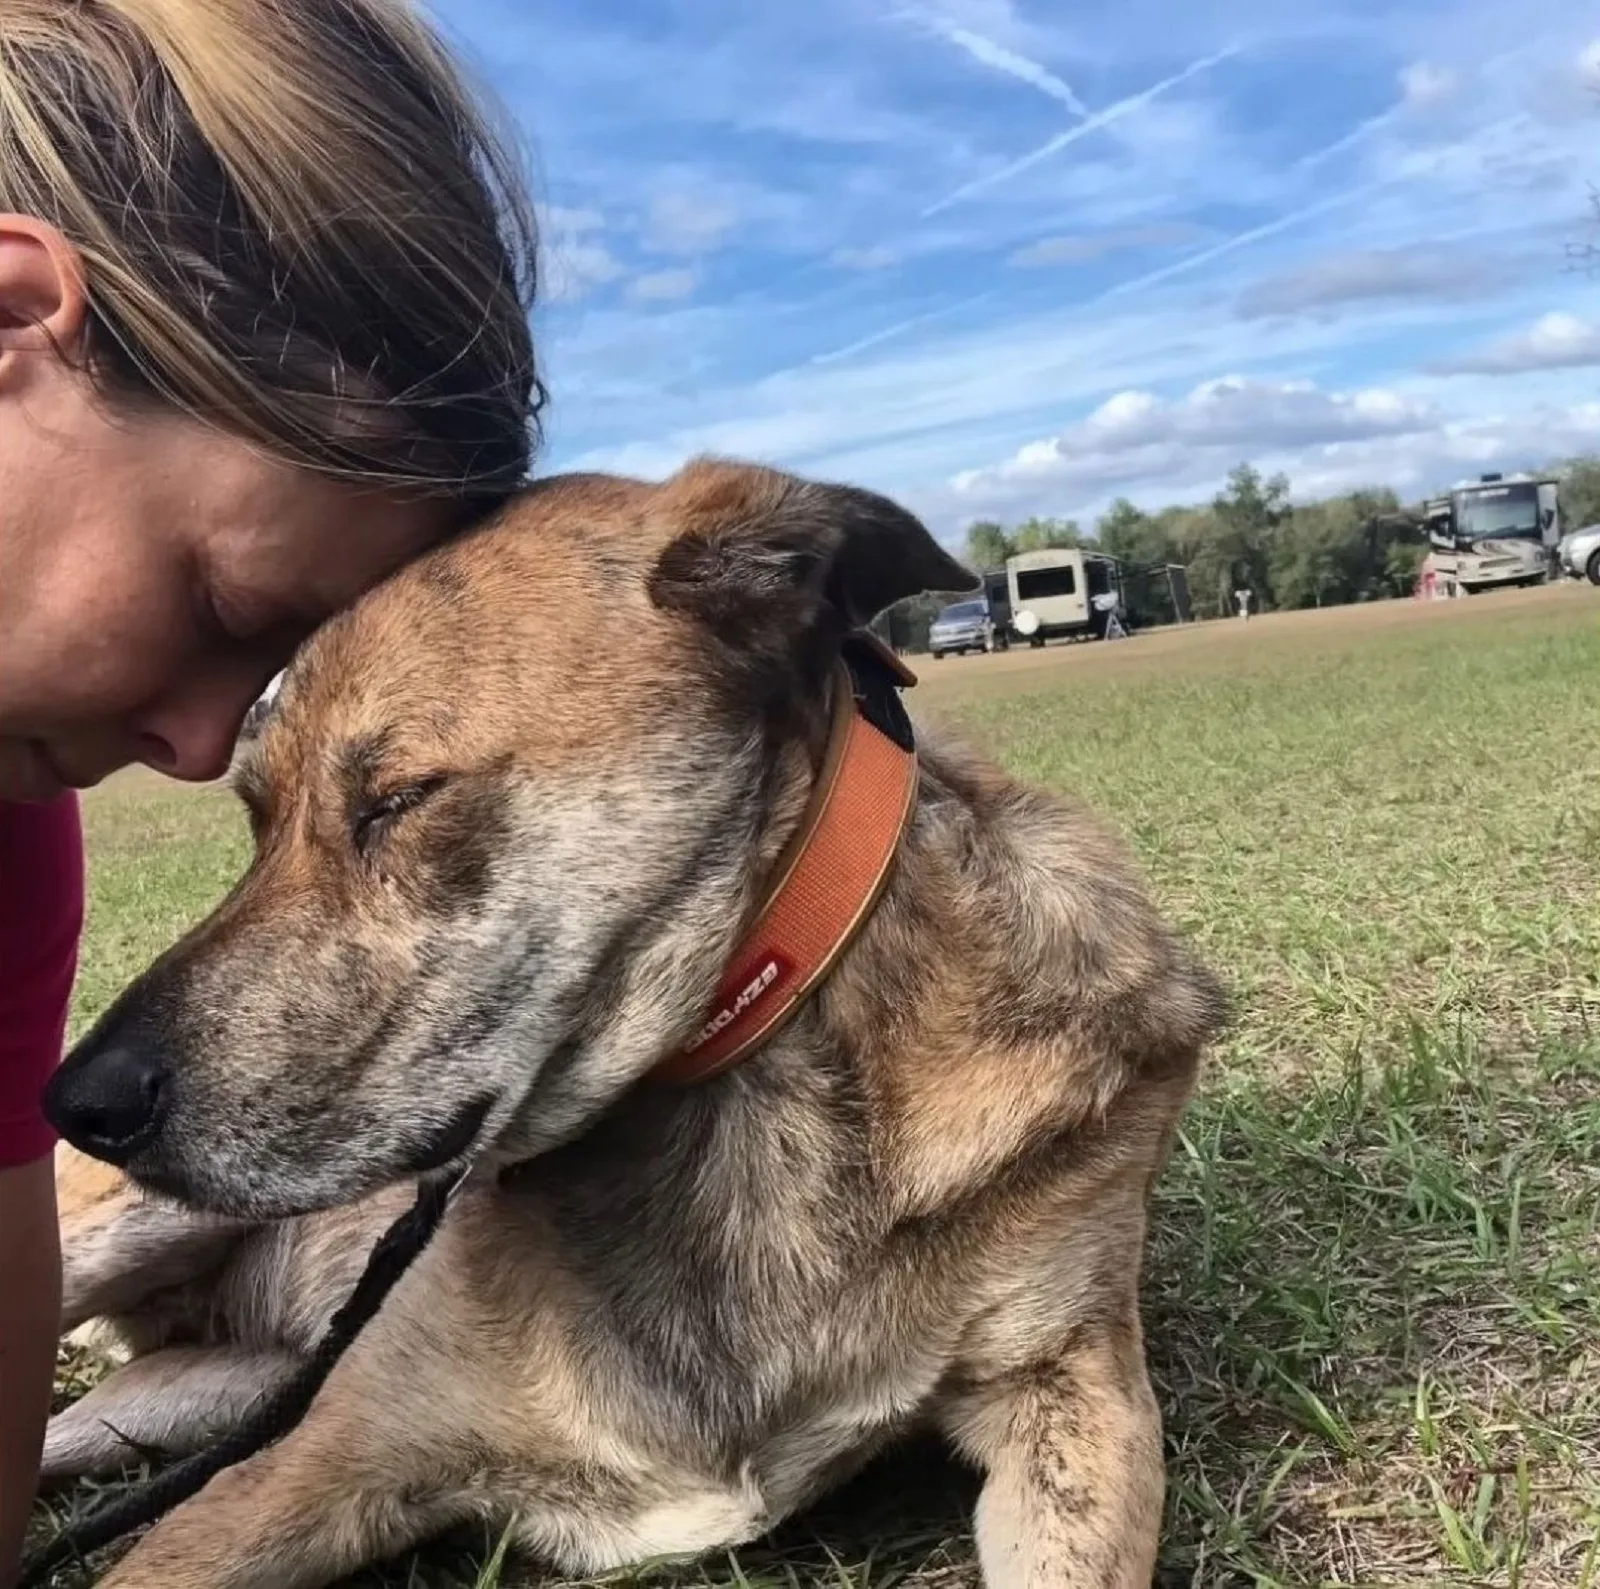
(1063, 591)
(1494, 532)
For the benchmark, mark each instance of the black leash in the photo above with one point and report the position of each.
(396, 1250)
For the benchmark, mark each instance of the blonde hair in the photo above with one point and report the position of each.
(296, 223)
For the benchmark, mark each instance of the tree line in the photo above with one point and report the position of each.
(1359, 546)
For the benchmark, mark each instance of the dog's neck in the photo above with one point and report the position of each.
(829, 875)
(801, 761)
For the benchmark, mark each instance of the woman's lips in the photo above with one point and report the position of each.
(65, 777)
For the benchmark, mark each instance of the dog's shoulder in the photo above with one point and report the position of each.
(1018, 993)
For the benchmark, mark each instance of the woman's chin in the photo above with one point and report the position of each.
(27, 773)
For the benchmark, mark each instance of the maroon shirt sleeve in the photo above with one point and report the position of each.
(41, 915)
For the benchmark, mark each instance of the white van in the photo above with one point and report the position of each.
(1062, 591)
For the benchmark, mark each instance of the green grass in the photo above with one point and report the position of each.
(160, 855)
(1373, 1294)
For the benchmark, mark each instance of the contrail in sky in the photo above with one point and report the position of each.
(1101, 118)
(988, 53)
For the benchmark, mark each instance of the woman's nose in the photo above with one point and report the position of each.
(191, 734)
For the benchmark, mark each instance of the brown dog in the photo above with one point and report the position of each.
(511, 817)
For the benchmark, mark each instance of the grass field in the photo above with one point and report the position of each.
(1373, 1296)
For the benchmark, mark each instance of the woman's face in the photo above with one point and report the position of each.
(154, 574)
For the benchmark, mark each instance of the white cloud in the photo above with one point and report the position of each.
(821, 358)
(1399, 442)
(905, 417)
(1425, 85)
(576, 259)
(1085, 247)
(1137, 436)
(686, 222)
(663, 286)
(1589, 64)
(1555, 341)
(879, 257)
(568, 222)
(1367, 275)
(1417, 464)
(573, 270)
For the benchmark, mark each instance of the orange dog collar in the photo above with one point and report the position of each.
(829, 876)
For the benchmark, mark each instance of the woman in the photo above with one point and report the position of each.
(265, 275)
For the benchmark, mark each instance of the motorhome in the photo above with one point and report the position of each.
(1062, 592)
(1494, 532)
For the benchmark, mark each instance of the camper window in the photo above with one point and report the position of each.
(1038, 584)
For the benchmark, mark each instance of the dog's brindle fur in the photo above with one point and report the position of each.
(686, 1312)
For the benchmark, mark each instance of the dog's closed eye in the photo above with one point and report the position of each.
(375, 818)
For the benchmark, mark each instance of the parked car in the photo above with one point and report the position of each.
(964, 626)
(1579, 554)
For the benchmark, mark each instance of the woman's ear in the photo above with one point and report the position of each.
(43, 304)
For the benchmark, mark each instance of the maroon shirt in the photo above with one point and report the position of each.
(41, 914)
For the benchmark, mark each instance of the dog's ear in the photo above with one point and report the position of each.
(769, 561)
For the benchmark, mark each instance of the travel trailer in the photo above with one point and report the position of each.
(1063, 592)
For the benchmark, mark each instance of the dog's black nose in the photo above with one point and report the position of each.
(109, 1102)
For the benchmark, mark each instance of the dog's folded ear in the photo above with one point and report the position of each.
(769, 560)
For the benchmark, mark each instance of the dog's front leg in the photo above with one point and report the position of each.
(353, 1484)
(173, 1401)
(118, 1248)
(1072, 1453)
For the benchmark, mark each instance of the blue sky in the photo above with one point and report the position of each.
(1002, 257)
